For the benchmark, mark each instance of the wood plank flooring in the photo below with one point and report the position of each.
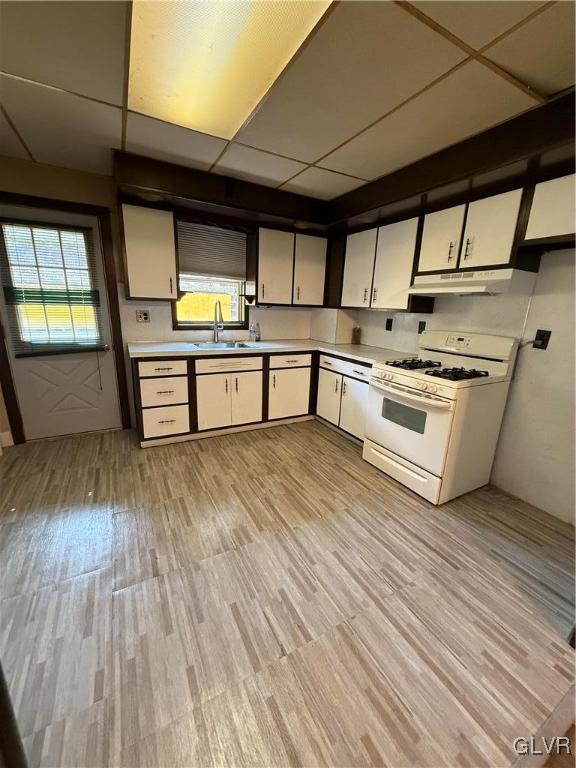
(269, 599)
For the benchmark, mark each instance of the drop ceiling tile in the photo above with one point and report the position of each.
(255, 165)
(62, 129)
(172, 143)
(10, 144)
(477, 23)
(77, 46)
(322, 184)
(364, 59)
(466, 102)
(541, 53)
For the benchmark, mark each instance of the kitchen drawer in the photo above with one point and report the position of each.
(224, 364)
(346, 367)
(171, 420)
(166, 390)
(163, 367)
(290, 361)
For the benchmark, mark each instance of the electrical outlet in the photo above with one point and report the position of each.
(388, 323)
(142, 315)
(541, 339)
(421, 326)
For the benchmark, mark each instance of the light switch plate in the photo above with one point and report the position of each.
(142, 315)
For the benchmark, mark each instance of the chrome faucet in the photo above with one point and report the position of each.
(218, 320)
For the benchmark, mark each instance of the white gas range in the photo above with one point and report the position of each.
(433, 421)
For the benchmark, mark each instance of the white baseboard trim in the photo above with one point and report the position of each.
(6, 439)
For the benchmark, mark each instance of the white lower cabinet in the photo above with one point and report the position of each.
(328, 404)
(227, 399)
(288, 393)
(246, 391)
(353, 406)
(342, 401)
(213, 399)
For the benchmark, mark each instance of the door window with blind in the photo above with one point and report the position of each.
(50, 288)
(212, 268)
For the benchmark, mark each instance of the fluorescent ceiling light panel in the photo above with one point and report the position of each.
(207, 65)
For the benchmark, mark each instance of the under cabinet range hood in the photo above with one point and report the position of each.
(485, 282)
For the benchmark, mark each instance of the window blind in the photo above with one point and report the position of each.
(210, 251)
(49, 282)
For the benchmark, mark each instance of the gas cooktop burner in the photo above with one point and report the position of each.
(457, 374)
(414, 364)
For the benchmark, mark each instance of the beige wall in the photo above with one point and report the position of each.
(27, 178)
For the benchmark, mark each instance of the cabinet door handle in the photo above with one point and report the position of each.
(226, 384)
(365, 296)
(374, 294)
(343, 388)
(336, 387)
(262, 290)
(236, 383)
(468, 248)
(170, 286)
(165, 392)
(298, 293)
(167, 421)
(450, 247)
(274, 381)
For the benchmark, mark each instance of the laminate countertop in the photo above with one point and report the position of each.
(360, 352)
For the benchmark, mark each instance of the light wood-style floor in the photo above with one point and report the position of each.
(269, 599)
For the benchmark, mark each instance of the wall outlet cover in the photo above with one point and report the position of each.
(421, 326)
(389, 323)
(541, 339)
(142, 315)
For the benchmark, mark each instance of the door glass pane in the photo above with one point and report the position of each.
(413, 419)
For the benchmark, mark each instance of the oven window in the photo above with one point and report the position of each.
(410, 418)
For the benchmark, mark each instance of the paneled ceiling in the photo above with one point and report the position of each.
(375, 86)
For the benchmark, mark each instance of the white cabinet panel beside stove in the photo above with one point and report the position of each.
(432, 422)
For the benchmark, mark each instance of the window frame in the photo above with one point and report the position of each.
(251, 232)
(180, 325)
(59, 349)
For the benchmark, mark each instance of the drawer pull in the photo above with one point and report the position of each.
(291, 361)
(165, 392)
(167, 421)
(326, 362)
(164, 369)
(360, 373)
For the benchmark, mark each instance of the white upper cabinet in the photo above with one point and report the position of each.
(309, 270)
(275, 266)
(553, 209)
(150, 249)
(394, 262)
(358, 268)
(490, 228)
(441, 239)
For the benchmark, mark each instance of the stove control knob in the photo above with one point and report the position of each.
(422, 385)
(432, 388)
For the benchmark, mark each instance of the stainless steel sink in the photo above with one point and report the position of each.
(223, 345)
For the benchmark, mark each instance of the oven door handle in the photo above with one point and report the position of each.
(423, 400)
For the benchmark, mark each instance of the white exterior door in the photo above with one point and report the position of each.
(328, 404)
(150, 246)
(490, 228)
(394, 261)
(275, 266)
(246, 397)
(213, 399)
(309, 270)
(289, 392)
(62, 394)
(353, 407)
(358, 267)
(441, 239)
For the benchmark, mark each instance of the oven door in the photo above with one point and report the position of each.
(410, 424)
